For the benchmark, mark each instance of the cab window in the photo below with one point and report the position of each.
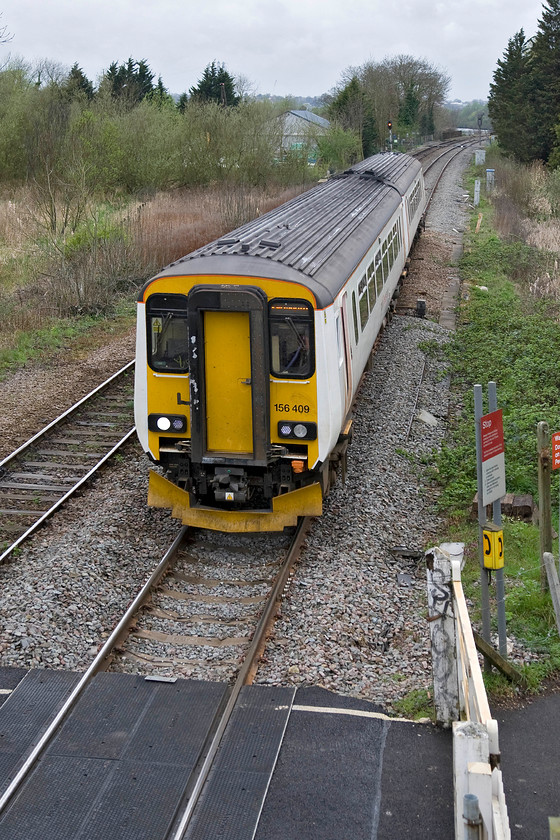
(291, 339)
(168, 337)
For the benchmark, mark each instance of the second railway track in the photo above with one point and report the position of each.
(42, 473)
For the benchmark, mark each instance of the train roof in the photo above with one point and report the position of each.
(318, 238)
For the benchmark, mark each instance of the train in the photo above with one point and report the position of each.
(250, 350)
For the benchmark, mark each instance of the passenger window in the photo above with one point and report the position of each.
(168, 337)
(378, 272)
(385, 263)
(364, 305)
(291, 339)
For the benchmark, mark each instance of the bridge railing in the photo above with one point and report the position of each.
(461, 702)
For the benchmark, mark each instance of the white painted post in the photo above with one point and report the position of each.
(470, 756)
(553, 584)
(477, 192)
(442, 633)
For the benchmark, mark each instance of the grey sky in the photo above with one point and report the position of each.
(281, 47)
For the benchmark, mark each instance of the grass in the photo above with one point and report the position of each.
(415, 705)
(74, 336)
(509, 334)
(529, 613)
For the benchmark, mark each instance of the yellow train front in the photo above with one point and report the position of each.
(249, 351)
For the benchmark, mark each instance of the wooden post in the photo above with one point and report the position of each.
(545, 509)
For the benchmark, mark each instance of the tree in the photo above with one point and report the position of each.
(402, 89)
(339, 148)
(160, 96)
(352, 111)
(545, 77)
(409, 109)
(129, 83)
(5, 36)
(216, 85)
(77, 85)
(510, 102)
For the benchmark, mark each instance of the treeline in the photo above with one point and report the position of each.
(69, 140)
(406, 91)
(524, 102)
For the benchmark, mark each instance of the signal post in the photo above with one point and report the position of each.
(491, 476)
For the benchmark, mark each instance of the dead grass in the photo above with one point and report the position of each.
(527, 209)
(174, 224)
(42, 278)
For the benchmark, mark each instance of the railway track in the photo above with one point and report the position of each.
(39, 476)
(443, 155)
(241, 668)
(199, 621)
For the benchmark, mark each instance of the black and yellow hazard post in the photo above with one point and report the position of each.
(493, 546)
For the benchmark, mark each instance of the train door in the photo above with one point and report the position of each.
(228, 384)
(344, 352)
(228, 334)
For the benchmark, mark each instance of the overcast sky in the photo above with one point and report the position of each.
(281, 47)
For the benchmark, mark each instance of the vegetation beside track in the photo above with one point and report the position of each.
(508, 332)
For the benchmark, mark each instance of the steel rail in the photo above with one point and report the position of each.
(94, 668)
(252, 652)
(64, 415)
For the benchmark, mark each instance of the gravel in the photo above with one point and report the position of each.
(353, 619)
(354, 616)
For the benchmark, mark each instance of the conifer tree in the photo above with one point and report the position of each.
(510, 104)
(77, 84)
(216, 85)
(352, 111)
(130, 82)
(545, 77)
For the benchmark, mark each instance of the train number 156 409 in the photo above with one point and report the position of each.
(297, 409)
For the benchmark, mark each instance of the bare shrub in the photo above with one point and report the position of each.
(15, 227)
(527, 203)
(92, 280)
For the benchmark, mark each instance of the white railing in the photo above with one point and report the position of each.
(461, 702)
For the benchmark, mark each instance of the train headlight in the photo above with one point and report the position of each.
(174, 423)
(302, 431)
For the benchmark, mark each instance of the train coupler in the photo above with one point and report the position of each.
(229, 484)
